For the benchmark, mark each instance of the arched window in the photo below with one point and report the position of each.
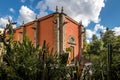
(71, 40)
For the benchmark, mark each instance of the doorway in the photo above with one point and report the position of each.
(72, 54)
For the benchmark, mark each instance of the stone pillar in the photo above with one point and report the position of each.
(81, 36)
(79, 41)
(23, 31)
(62, 31)
(36, 22)
(56, 31)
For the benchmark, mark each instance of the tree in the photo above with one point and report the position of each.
(22, 61)
(99, 66)
(108, 37)
(96, 46)
(28, 62)
(94, 38)
(85, 44)
(116, 45)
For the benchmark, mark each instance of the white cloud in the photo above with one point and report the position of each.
(26, 15)
(4, 21)
(117, 30)
(85, 10)
(41, 5)
(97, 29)
(89, 33)
(42, 13)
(42, 9)
(12, 10)
(88, 41)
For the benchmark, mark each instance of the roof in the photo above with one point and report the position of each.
(48, 16)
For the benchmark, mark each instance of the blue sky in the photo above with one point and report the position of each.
(95, 15)
(110, 14)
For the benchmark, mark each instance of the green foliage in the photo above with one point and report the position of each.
(94, 38)
(29, 62)
(95, 47)
(116, 45)
(68, 49)
(63, 58)
(85, 44)
(55, 69)
(99, 66)
(116, 66)
(108, 37)
(99, 61)
(21, 64)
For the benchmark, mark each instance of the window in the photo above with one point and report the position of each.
(71, 40)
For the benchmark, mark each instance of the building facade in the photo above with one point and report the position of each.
(59, 30)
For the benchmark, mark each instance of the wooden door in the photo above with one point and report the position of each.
(72, 54)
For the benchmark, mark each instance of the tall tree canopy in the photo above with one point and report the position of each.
(108, 37)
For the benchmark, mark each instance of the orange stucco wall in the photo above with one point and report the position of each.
(71, 29)
(18, 35)
(30, 32)
(46, 32)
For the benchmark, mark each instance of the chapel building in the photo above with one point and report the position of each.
(59, 30)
